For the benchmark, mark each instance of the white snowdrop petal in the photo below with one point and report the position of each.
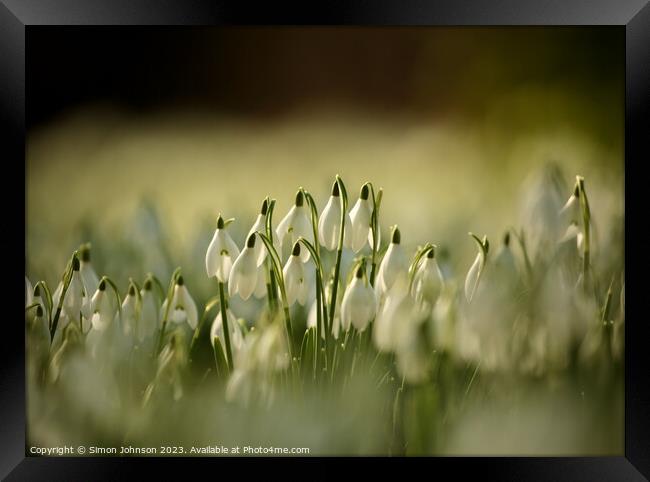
(29, 292)
(88, 276)
(360, 216)
(471, 281)
(260, 285)
(212, 257)
(329, 224)
(148, 315)
(189, 306)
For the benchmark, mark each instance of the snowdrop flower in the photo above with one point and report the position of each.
(39, 329)
(329, 224)
(393, 263)
(37, 298)
(103, 311)
(245, 272)
(260, 225)
(148, 312)
(573, 232)
(183, 307)
(129, 312)
(74, 296)
(397, 306)
(28, 292)
(427, 281)
(475, 271)
(571, 208)
(221, 253)
(360, 216)
(296, 224)
(235, 331)
(505, 266)
(88, 275)
(295, 278)
(359, 305)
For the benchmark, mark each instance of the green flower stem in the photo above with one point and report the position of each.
(197, 331)
(273, 298)
(586, 221)
(170, 295)
(319, 292)
(116, 292)
(158, 284)
(374, 226)
(276, 264)
(319, 322)
(138, 303)
(339, 251)
(269, 288)
(67, 277)
(319, 284)
(224, 321)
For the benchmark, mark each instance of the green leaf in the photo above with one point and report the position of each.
(307, 353)
(220, 359)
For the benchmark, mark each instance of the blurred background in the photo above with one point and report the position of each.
(139, 138)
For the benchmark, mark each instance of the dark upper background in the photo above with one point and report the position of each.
(270, 71)
(449, 121)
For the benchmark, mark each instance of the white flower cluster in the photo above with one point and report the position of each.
(355, 287)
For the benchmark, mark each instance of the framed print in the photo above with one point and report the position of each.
(369, 232)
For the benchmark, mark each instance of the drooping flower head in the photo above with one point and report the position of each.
(329, 224)
(221, 253)
(359, 305)
(39, 330)
(130, 312)
(74, 296)
(393, 263)
(183, 307)
(88, 275)
(295, 278)
(360, 217)
(260, 225)
(392, 314)
(476, 270)
(148, 312)
(573, 234)
(103, 311)
(28, 292)
(571, 209)
(296, 224)
(244, 272)
(38, 298)
(505, 266)
(428, 281)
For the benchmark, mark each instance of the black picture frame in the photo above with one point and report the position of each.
(16, 18)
